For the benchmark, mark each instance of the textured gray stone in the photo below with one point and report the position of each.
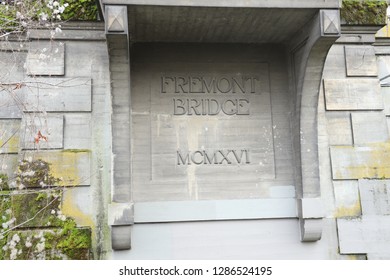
(361, 61)
(368, 234)
(352, 94)
(369, 127)
(360, 162)
(58, 95)
(77, 131)
(9, 136)
(121, 237)
(9, 164)
(46, 58)
(347, 199)
(375, 197)
(49, 126)
(211, 210)
(120, 214)
(11, 104)
(72, 166)
(386, 99)
(339, 128)
(384, 70)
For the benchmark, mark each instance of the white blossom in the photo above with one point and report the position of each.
(13, 254)
(40, 247)
(16, 238)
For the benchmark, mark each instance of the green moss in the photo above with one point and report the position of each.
(66, 242)
(35, 173)
(76, 151)
(37, 209)
(368, 12)
(81, 10)
(4, 182)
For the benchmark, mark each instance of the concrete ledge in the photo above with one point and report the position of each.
(212, 210)
(232, 3)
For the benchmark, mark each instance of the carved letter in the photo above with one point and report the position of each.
(225, 157)
(164, 83)
(241, 108)
(233, 110)
(247, 156)
(193, 157)
(241, 87)
(184, 161)
(210, 86)
(180, 85)
(229, 85)
(193, 82)
(211, 113)
(180, 106)
(193, 107)
(253, 84)
(213, 160)
(236, 156)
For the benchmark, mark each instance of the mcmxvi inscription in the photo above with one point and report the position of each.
(214, 118)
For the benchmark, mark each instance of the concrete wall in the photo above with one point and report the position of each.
(73, 109)
(64, 94)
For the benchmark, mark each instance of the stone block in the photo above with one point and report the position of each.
(335, 63)
(41, 131)
(77, 131)
(11, 104)
(58, 95)
(353, 94)
(8, 164)
(361, 61)
(73, 167)
(347, 200)
(372, 162)
(312, 208)
(384, 70)
(339, 128)
(375, 197)
(120, 214)
(369, 127)
(67, 243)
(37, 209)
(9, 136)
(386, 99)
(46, 58)
(365, 235)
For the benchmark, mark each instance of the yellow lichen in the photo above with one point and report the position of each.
(12, 144)
(67, 165)
(352, 211)
(70, 208)
(377, 165)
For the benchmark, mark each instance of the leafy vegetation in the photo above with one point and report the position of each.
(368, 12)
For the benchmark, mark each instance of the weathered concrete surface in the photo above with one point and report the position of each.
(57, 95)
(348, 94)
(360, 61)
(9, 136)
(369, 127)
(360, 162)
(77, 131)
(375, 197)
(232, 3)
(49, 126)
(46, 58)
(339, 128)
(365, 235)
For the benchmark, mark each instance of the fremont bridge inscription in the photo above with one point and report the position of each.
(212, 123)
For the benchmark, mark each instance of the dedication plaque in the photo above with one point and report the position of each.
(210, 128)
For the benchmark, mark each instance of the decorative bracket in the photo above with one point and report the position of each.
(308, 52)
(121, 209)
